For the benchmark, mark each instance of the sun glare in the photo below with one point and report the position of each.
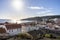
(16, 21)
(17, 4)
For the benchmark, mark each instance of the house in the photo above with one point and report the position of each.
(29, 26)
(11, 29)
(14, 29)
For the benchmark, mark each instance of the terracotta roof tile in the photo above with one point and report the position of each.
(2, 30)
(12, 26)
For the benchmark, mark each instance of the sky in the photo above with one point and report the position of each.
(19, 9)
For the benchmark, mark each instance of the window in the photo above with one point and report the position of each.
(9, 30)
(12, 30)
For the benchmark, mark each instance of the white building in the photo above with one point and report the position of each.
(11, 29)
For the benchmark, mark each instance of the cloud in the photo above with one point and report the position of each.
(45, 13)
(48, 14)
(42, 11)
(35, 7)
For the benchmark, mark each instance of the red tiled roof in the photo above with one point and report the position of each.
(12, 26)
(2, 30)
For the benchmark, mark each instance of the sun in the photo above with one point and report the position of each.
(17, 4)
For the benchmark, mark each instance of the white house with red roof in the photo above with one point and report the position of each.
(11, 29)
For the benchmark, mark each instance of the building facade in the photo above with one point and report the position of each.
(11, 29)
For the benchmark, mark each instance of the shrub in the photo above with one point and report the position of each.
(25, 35)
(58, 37)
(48, 35)
(40, 36)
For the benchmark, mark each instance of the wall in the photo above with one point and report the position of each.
(14, 31)
(29, 28)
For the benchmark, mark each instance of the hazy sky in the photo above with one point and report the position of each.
(17, 9)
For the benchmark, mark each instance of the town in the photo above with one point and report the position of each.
(29, 19)
(34, 26)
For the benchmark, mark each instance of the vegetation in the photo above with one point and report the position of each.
(38, 35)
(25, 36)
(48, 35)
(58, 37)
